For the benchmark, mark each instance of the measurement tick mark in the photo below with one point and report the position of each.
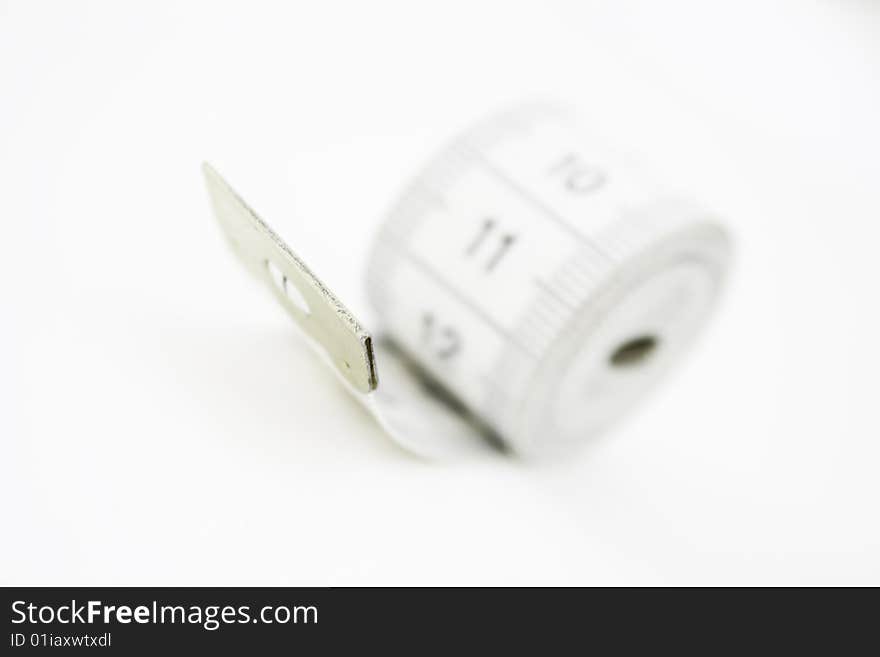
(530, 198)
(435, 276)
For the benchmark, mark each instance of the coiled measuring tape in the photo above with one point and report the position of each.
(529, 287)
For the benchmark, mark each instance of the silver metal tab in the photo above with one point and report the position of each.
(315, 308)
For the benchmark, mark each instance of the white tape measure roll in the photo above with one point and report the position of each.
(530, 286)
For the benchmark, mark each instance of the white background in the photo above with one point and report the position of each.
(162, 424)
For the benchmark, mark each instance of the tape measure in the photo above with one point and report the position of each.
(530, 285)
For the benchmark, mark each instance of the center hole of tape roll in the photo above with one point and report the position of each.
(634, 351)
(288, 288)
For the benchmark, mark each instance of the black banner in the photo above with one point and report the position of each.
(149, 620)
